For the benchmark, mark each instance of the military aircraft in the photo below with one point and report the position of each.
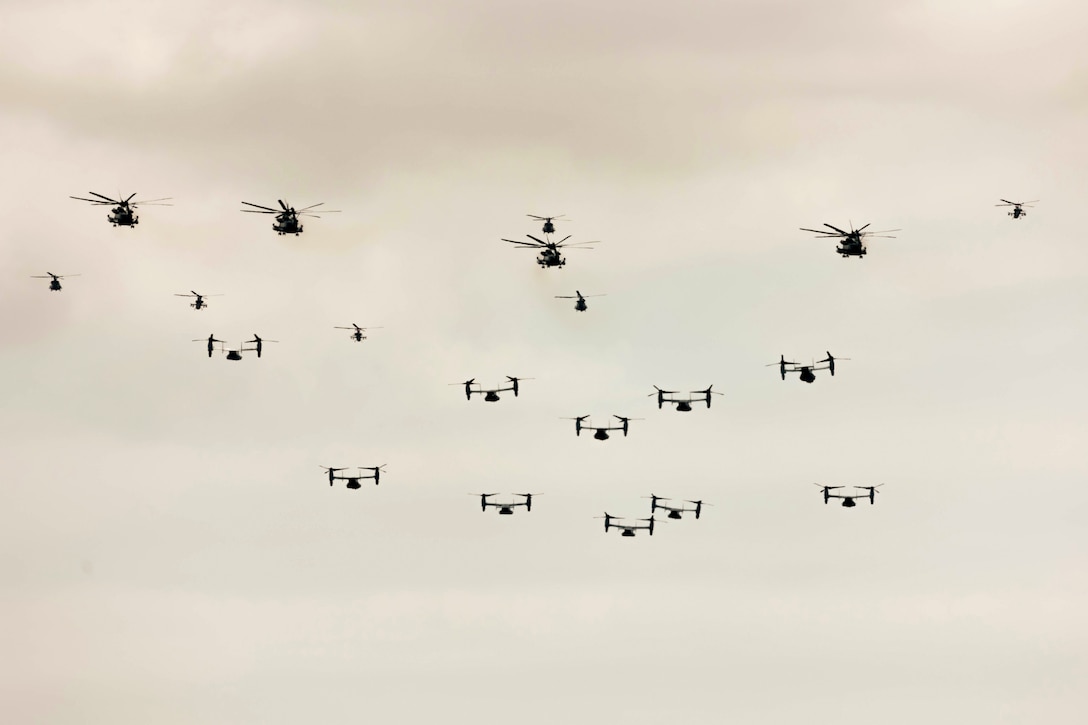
(848, 501)
(683, 405)
(54, 279)
(353, 481)
(851, 243)
(123, 213)
(600, 432)
(1018, 207)
(491, 394)
(357, 335)
(628, 529)
(236, 354)
(675, 512)
(580, 305)
(807, 371)
(549, 251)
(286, 221)
(506, 508)
(549, 227)
(198, 303)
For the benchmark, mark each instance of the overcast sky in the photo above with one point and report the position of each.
(170, 550)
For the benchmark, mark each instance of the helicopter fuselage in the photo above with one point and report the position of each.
(580, 305)
(122, 217)
(287, 224)
(548, 258)
(601, 434)
(852, 247)
(54, 286)
(234, 355)
(807, 376)
(683, 406)
(1017, 212)
(491, 396)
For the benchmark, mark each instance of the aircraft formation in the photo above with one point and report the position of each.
(851, 242)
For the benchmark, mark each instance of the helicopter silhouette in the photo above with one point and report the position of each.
(549, 227)
(580, 305)
(851, 243)
(807, 371)
(506, 509)
(683, 405)
(357, 335)
(286, 221)
(848, 501)
(123, 213)
(353, 481)
(675, 512)
(600, 432)
(628, 529)
(236, 354)
(550, 255)
(54, 279)
(198, 303)
(492, 394)
(1018, 207)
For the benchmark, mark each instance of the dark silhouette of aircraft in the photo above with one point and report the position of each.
(807, 371)
(506, 508)
(357, 335)
(353, 481)
(580, 305)
(287, 217)
(549, 227)
(628, 529)
(54, 279)
(549, 251)
(491, 394)
(848, 501)
(683, 405)
(123, 213)
(600, 432)
(198, 303)
(257, 341)
(1018, 207)
(851, 243)
(675, 512)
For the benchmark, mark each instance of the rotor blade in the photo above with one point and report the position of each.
(285, 207)
(93, 201)
(529, 245)
(258, 206)
(840, 231)
(862, 228)
(535, 240)
(311, 206)
(153, 201)
(821, 232)
(112, 201)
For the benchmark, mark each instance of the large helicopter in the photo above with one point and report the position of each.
(627, 528)
(600, 432)
(580, 305)
(286, 221)
(357, 335)
(549, 227)
(506, 508)
(851, 243)
(549, 251)
(491, 394)
(683, 405)
(675, 512)
(353, 481)
(807, 371)
(257, 341)
(198, 303)
(54, 279)
(123, 213)
(1018, 207)
(848, 501)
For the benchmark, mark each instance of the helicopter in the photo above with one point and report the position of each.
(198, 303)
(353, 481)
(848, 501)
(123, 213)
(548, 227)
(683, 405)
(628, 529)
(807, 371)
(549, 251)
(506, 508)
(54, 283)
(490, 395)
(357, 335)
(600, 433)
(580, 305)
(851, 243)
(286, 221)
(236, 354)
(1018, 207)
(675, 512)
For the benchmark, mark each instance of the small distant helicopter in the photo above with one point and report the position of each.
(548, 227)
(628, 529)
(675, 512)
(54, 283)
(492, 394)
(198, 303)
(807, 371)
(357, 335)
(683, 405)
(1018, 207)
(286, 221)
(353, 481)
(580, 305)
(123, 213)
(848, 501)
(506, 508)
(236, 354)
(852, 243)
(549, 251)
(600, 433)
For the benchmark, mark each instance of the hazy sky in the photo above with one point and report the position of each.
(171, 551)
